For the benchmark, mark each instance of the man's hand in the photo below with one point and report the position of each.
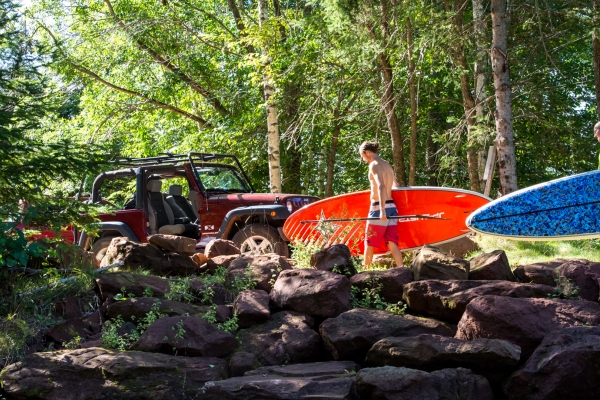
(382, 216)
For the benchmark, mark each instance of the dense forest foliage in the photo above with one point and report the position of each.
(148, 77)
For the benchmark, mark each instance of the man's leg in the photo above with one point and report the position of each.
(369, 250)
(396, 253)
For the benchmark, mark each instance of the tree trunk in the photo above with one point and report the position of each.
(468, 101)
(335, 135)
(596, 54)
(413, 106)
(481, 70)
(271, 108)
(507, 164)
(430, 151)
(323, 160)
(388, 100)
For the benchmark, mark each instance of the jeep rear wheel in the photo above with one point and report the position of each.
(100, 246)
(260, 239)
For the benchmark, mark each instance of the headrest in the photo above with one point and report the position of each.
(154, 185)
(175, 190)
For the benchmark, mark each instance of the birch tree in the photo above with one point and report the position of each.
(271, 108)
(481, 69)
(507, 164)
(596, 54)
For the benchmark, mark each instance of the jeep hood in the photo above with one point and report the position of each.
(262, 198)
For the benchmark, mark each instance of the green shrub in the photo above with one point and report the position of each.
(566, 289)
(180, 290)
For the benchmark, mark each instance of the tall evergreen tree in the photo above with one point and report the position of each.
(29, 164)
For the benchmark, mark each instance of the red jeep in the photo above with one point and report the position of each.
(202, 196)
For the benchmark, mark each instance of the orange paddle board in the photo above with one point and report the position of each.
(452, 206)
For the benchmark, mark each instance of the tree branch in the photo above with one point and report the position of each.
(149, 100)
(170, 66)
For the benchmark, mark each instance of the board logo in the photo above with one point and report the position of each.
(436, 215)
(209, 227)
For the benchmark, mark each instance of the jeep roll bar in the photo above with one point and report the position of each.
(192, 158)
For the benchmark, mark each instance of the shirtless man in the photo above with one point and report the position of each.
(384, 231)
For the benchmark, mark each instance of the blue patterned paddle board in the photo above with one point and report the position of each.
(566, 208)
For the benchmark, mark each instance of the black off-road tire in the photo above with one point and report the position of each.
(257, 239)
(100, 246)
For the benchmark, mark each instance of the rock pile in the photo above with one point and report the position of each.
(241, 327)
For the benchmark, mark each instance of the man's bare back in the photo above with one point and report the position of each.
(382, 179)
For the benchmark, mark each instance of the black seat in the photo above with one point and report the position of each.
(169, 221)
(176, 199)
(165, 220)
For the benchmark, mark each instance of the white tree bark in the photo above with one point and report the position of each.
(481, 71)
(271, 108)
(596, 54)
(507, 164)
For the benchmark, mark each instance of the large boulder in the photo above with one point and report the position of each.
(251, 307)
(430, 297)
(115, 283)
(566, 365)
(541, 273)
(320, 294)
(97, 373)
(221, 247)
(460, 247)
(186, 336)
(135, 255)
(276, 387)
(136, 309)
(391, 282)
(336, 258)
(210, 265)
(432, 263)
(351, 335)
(82, 328)
(288, 337)
(411, 384)
(491, 266)
(384, 261)
(308, 369)
(581, 274)
(447, 300)
(263, 270)
(242, 362)
(523, 322)
(433, 352)
(174, 244)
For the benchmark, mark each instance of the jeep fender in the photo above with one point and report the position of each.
(265, 214)
(122, 228)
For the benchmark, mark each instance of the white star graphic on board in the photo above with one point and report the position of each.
(326, 228)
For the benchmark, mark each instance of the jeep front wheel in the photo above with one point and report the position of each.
(260, 239)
